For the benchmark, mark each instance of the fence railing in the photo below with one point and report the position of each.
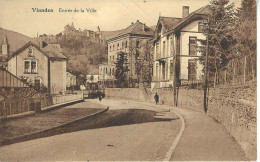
(10, 107)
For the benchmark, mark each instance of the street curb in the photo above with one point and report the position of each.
(38, 134)
(44, 109)
(177, 139)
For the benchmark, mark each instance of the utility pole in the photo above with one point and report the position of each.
(206, 71)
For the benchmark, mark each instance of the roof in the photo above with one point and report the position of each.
(172, 24)
(168, 22)
(136, 29)
(50, 52)
(54, 51)
(7, 79)
(199, 13)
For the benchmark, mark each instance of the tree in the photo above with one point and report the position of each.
(121, 70)
(145, 62)
(245, 32)
(219, 30)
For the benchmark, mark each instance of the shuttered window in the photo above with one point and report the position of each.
(193, 46)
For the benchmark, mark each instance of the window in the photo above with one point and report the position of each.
(113, 71)
(126, 44)
(113, 58)
(157, 51)
(171, 68)
(117, 46)
(137, 43)
(163, 49)
(110, 72)
(172, 47)
(110, 48)
(34, 67)
(30, 52)
(193, 46)
(192, 72)
(113, 47)
(27, 66)
(200, 27)
(123, 46)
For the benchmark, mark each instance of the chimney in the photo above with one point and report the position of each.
(137, 21)
(132, 23)
(185, 11)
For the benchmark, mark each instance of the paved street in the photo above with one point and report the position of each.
(133, 136)
(202, 139)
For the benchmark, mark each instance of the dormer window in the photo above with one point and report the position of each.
(30, 52)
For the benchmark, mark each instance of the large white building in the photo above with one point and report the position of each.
(128, 40)
(176, 42)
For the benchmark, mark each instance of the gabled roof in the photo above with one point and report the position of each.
(54, 51)
(172, 24)
(168, 22)
(49, 52)
(24, 47)
(199, 14)
(136, 29)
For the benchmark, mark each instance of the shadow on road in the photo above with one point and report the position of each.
(108, 119)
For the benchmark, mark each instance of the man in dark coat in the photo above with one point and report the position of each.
(156, 98)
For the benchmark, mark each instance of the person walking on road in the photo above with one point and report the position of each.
(156, 98)
(99, 96)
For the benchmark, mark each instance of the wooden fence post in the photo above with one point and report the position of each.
(245, 70)
(5, 108)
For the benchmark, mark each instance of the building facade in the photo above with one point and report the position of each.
(176, 43)
(128, 41)
(40, 66)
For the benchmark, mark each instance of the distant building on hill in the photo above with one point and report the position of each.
(96, 36)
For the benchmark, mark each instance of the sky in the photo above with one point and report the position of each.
(110, 15)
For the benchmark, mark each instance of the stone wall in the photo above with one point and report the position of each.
(66, 98)
(234, 107)
(125, 93)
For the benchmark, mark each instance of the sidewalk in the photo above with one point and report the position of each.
(204, 139)
(24, 126)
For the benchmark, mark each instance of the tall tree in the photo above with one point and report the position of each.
(145, 62)
(245, 32)
(121, 70)
(218, 28)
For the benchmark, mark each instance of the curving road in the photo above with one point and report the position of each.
(143, 135)
(136, 138)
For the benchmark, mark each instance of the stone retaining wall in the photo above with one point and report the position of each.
(125, 93)
(66, 98)
(234, 107)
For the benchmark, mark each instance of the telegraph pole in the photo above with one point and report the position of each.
(206, 72)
